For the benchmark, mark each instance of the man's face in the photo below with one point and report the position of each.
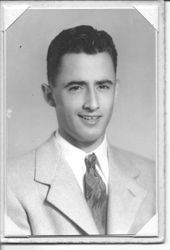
(84, 97)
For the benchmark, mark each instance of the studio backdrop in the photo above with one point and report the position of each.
(30, 120)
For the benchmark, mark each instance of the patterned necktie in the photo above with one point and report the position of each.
(95, 193)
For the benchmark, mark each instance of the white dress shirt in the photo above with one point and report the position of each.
(75, 158)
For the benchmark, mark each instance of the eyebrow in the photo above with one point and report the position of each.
(72, 83)
(104, 82)
(83, 83)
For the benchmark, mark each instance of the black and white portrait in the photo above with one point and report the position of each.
(81, 126)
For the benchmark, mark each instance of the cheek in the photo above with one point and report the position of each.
(71, 103)
(68, 109)
(107, 103)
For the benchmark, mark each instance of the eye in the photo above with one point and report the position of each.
(75, 88)
(104, 86)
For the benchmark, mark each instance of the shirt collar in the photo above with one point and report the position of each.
(68, 149)
(75, 156)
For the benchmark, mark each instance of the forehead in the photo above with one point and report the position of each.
(81, 66)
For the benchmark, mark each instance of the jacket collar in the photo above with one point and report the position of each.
(125, 196)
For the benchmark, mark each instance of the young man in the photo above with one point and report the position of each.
(76, 183)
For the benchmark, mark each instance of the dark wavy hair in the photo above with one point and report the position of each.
(79, 39)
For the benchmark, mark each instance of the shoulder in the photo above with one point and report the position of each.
(20, 169)
(133, 164)
(128, 158)
(17, 162)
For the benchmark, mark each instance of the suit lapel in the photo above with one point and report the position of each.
(125, 195)
(64, 192)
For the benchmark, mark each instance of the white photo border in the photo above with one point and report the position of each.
(160, 107)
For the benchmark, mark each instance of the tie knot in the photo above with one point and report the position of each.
(90, 161)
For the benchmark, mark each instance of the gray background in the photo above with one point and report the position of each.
(133, 123)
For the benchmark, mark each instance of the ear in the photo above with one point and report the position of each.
(47, 93)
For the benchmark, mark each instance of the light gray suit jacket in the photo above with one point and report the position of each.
(44, 198)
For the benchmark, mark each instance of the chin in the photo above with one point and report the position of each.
(91, 138)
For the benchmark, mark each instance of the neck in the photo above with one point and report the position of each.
(86, 146)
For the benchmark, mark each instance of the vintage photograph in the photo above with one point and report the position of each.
(81, 136)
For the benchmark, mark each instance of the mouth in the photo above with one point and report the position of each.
(90, 118)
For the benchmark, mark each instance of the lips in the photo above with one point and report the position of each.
(90, 118)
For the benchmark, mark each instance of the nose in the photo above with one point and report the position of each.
(91, 100)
